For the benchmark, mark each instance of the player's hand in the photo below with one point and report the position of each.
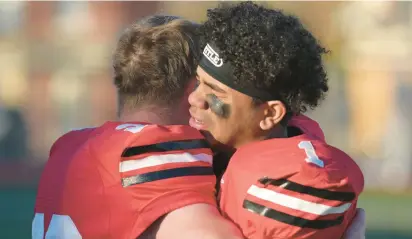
(357, 229)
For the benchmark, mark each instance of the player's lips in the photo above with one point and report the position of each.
(196, 123)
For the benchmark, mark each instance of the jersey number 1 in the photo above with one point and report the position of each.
(311, 156)
(61, 226)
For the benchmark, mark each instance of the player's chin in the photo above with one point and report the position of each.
(209, 137)
(214, 142)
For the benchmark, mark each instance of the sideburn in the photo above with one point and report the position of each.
(221, 109)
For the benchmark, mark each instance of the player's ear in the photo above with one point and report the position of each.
(273, 113)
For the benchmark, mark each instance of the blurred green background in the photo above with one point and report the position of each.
(55, 75)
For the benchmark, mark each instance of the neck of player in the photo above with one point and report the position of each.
(278, 132)
(149, 115)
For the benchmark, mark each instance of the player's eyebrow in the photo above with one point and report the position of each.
(211, 85)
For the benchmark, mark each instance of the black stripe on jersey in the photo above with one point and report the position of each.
(166, 174)
(320, 193)
(289, 219)
(166, 146)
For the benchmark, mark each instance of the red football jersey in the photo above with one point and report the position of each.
(114, 181)
(298, 187)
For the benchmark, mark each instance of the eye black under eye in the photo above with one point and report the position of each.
(217, 106)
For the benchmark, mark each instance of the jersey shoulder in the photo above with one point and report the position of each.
(314, 163)
(261, 157)
(122, 141)
(164, 168)
(340, 170)
(304, 159)
(292, 188)
(72, 139)
(175, 143)
(144, 134)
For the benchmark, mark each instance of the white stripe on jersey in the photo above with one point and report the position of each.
(296, 203)
(155, 160)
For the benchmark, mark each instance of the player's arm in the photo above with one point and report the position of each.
(357, 228)
(195, 221)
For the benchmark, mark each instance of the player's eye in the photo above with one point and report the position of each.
(197, 83)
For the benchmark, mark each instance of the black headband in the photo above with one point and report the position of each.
(213, 64)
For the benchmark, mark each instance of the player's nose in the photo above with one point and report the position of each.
(197, 99)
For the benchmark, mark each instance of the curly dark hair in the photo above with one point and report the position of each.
(271, 50)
